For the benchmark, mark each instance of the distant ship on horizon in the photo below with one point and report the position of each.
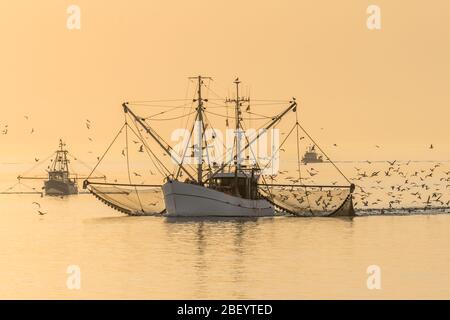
(311, 156)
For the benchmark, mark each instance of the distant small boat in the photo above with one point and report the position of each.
(59, 182)
(311, 156)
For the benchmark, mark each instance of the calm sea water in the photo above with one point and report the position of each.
(275, 258)
(268, 258)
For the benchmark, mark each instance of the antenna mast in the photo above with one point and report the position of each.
(61, 163)
(199, 124)
(237, 154)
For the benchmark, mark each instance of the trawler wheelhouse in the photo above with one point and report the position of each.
(62, 176)
(243, 184)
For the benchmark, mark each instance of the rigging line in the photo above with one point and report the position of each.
(223, 116)
(206, 147)
(34, 189)
(268, 104)
(248, 141)
(165, 111)
(298, 159)
(272, 123)
(250, 104)
(109, 147)
(158, 164)
(281, 145)
(217, 105)
(187, 89)
(231, 151)
(185, 150)
(178, 106)
(207, 90)
(262, 100)
(82, 162)
(320, 149)
(208, 87)
(257, 163)
(126, 185)
(258, 114)
(128, 162)
(190, 109)
(157, 106)
(148, 149)
(12, 187)
(223, 144)
(186, 94)
(185, 128)
(155, 136)
(161, 100)
(174, 118)
(38, 164)
(155, 156)
(215, 134)
(298, 147)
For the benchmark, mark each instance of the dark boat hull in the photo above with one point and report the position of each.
(60, 188)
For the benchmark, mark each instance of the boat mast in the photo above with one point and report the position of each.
(199, 132)
(237, 138)
(199, 119)
(237, 153)
(237, 129)
(61, 162)
(275, 120)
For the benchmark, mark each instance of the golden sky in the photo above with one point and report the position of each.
(388, 87)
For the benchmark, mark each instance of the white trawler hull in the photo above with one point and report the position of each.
(191, 200)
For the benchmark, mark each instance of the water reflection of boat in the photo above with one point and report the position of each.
(311, 156)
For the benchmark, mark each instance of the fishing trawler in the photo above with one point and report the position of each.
(59, 181)
(311, 156)
(233, 187)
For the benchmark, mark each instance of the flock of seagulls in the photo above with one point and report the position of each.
(403, 186)
(390, 185)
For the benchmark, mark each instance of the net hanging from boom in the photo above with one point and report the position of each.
(296, 197)
(133, 200)
(132, 195)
